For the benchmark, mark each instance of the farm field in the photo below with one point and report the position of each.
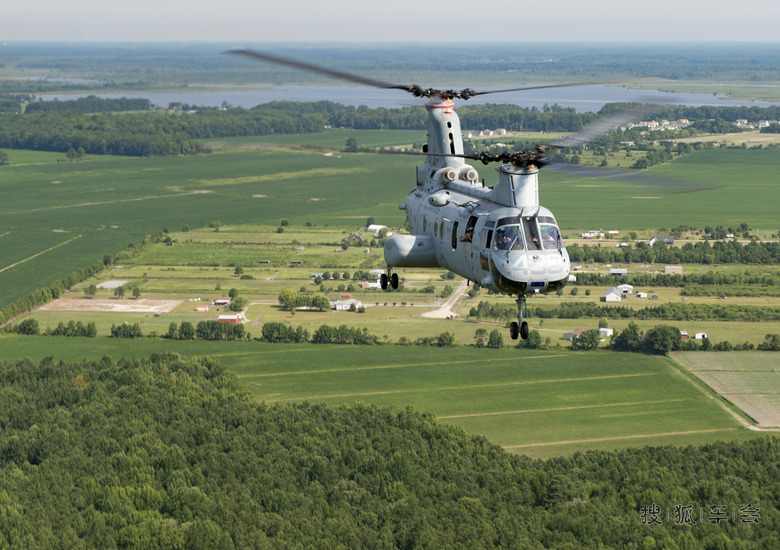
(541, 404)
(749, 380)
(201, 268)
(63, 216)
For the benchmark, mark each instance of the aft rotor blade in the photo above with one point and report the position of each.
(601, 127)
(543, 86)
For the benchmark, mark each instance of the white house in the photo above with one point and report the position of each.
(699, 335)
(375, 229)
(344, 305)
(606, 332)
(613, 295)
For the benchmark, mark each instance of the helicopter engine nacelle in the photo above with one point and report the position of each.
(410, 251)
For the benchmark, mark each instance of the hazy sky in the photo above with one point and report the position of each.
(391, 20)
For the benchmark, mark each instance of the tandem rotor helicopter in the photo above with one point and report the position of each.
(499, 237)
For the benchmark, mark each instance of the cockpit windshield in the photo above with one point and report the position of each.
(508, 237)
(531, 233)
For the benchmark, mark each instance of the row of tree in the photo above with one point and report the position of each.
(670, 312)
(717, 252)
(72, 329)
(207, 330)
(706, 278)
(90, 104)
(62, 127)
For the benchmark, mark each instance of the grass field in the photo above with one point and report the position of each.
(749, 380)
(540, 404)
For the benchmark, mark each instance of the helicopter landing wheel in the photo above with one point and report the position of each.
(394, 281)
(520, 328)
(524, 330)
(383, 281)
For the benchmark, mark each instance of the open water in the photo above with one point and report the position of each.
(582, 98)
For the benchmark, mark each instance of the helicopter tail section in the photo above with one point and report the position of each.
(410, 251)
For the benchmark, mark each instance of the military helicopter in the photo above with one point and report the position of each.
(499, 237)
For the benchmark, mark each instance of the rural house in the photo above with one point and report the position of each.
(613, 295)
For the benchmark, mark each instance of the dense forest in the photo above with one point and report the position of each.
(84, 123)
(168, 452)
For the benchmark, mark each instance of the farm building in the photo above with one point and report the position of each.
(618, 271)
(666, 239)
(375, 229)
(235, 319)
(684, 334)
(592, 235)
(606, 332)
(222, 302)
(626, 289)
(641, 294)
(345, 305)
(673, 270)
(571, 335)
(202, 307)
(700, 335)
(613, 295)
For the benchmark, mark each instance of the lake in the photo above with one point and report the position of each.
(582, 98)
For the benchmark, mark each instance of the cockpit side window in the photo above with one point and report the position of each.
(551, 237)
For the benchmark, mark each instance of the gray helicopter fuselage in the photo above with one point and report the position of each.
(499, 237)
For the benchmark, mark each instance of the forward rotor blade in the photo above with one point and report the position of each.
(316, 69)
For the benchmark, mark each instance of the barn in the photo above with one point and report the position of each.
(234, 319)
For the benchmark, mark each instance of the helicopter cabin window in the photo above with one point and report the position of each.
(551, 236)
(508, 237)
(454, 235)
(468, 234)
(531, 233)
(435, 229)
(425, 224)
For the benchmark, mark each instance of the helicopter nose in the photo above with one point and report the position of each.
(533, 268)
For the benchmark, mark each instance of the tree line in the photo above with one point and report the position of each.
(67, 125)
(171, 452)
(716, 252)
(90, 104)
(669, 312)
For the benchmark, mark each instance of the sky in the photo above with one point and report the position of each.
(390, 21)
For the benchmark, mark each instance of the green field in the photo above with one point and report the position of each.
(98, 206)
(536, 403)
